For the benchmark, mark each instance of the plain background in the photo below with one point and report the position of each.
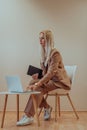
(20, 24)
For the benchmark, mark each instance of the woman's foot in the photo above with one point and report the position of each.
(47, 113)
(25, 121)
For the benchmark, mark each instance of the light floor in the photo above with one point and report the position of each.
(67, 121)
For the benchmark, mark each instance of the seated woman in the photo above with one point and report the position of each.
(54, 77)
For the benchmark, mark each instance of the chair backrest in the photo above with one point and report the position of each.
(71, 69)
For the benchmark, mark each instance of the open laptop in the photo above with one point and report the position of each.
(14, 84)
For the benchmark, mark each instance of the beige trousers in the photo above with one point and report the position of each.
(41, 102)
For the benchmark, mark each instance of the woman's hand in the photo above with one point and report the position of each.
(32, 87)
(35, 76)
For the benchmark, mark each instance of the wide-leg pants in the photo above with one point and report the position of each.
(41, 102)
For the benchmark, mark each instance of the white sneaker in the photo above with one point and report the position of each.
(25, 121)
(47, 113)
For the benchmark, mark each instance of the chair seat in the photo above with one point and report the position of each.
(59, 91)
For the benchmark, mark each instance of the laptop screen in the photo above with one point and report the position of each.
(14, 83)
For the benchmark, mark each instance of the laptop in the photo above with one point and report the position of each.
(14, 84)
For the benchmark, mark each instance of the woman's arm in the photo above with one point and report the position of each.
(43, 69)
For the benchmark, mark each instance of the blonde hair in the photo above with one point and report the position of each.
(45, 52)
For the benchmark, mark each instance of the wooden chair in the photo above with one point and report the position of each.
(61, 92)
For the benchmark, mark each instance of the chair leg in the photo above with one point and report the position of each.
(5, 105)
(17, 107)
(59, 105)
(42, 107)
(56, 97)
(72, 106)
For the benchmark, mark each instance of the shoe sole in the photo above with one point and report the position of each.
(24, 124)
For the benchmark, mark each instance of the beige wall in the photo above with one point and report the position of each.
(20, 24)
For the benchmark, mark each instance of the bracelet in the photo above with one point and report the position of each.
(36, 84)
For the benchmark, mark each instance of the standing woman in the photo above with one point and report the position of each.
(54, 77)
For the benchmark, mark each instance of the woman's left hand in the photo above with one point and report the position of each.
(35, 76)
(31, 87)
